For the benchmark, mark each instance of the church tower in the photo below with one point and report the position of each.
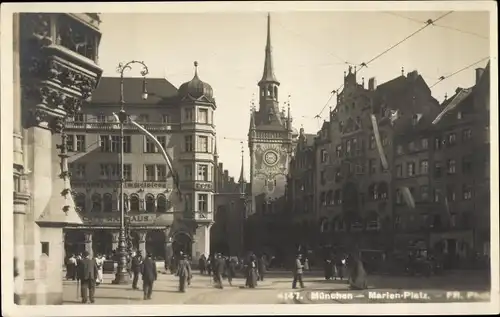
(270, 139)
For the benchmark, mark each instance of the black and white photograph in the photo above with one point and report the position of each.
(223, 158)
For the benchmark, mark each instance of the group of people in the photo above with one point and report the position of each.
(73, 261)
(337, 266)
(220, 267)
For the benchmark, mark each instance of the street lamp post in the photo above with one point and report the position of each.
(122, 276)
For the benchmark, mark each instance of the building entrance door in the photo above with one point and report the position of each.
(182, 243)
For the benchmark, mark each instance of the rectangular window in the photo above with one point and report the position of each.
(338, 150)
(79, 117)
(77, 170)
(104, 173)
(410, 169)
(70, 143)
(424, 192)
(451, 166)
(188, 172)
(360, 168)
(399, 170)
(188, 143)
(101, 118)
(372, 142)
(372, 166)
(202, 144)
(466, 135)
(324, 156)
(45, 248)
(424, 167)
(450, 193)
(202, 174)
(437, 143)
(452, 139)
(438, 169)
(188, 115)
(143, 118)
(150, 145)
(202, 202)
(425, 143)
(437, 195)
(189, 203)
(466, 164)
(127, 172)
(161, 172)
(467, 192)
(323, 177)
(80, 143)
(165, 118)
(203, 116)
(149, 173)
(399, 197)
(127, 144)
(411, 146)
(115, 143)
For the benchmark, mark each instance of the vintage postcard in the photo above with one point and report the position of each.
(215, 158)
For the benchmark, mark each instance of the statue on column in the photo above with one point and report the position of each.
(88, 243)
(142, 234)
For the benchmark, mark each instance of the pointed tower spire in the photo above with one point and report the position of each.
(289, 117)
(268, 75)
(242, 178)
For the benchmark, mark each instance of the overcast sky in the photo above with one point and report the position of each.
(310, 50)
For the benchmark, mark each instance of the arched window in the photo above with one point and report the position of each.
(134, 202)
(80, 201)
(108, 202)
(372, 192)
(329, 198)
(269, 91)
(150, 203)
(382, 190)
(96, 203)
(275, 92)
(161, 203)
(338, 197)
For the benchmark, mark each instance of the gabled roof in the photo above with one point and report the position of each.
(108, 91)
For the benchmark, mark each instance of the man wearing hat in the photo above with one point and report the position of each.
(136, 268)
(87, 274)
(220, 264)
(297, 274)
(184, 273)
(149, 275)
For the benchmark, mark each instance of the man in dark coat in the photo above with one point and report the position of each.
(136, 268)
(202, 263)
(298, 271)
(184, 273)
(261, 263)
(218, 270)
(149, 275)
(231, 269)
(87, 274)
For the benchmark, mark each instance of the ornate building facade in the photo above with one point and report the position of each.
(270, 141)
(55, 73)
(158, 222)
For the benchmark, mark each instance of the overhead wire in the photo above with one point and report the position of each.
(438, 25)
(365, 64)
(458, 71)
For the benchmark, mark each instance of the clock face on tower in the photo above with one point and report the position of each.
(270, 158)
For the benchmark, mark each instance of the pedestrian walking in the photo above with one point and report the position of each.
(298, 271)
(339, 266)
(218, 270)
(306, 264)
(184, 273)
(209, 265)
(261, 263)
(357, 273)
(231, 270)
(87, 274)
(100, 262)
(202, 263)
(71, 268)
(251, 272)
(149, 275)
(328, 269)
(136, 269)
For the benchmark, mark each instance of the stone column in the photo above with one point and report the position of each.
(201, 241)
(115, 239)
(88, 243)
(142, 234)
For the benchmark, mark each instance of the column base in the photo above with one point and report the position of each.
(121, 278)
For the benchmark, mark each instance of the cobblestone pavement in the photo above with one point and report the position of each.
(276, 289)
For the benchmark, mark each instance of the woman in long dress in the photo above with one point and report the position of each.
(252, 272)
(100, 262)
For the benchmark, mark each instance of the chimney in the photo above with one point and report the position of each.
(479, 74)
(412, 75)
(372, 83)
